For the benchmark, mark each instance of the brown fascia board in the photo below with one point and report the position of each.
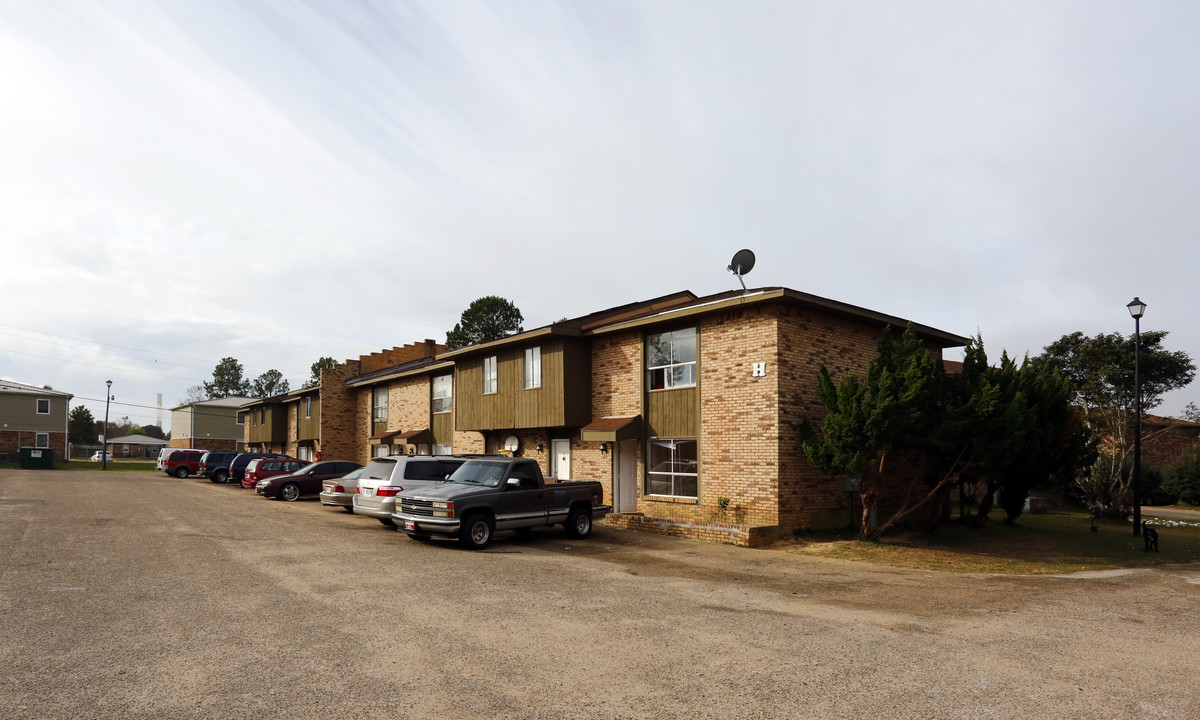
(577, 327)
(395, 373)
(734, 299)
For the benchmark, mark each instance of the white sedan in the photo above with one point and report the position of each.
(99, 456)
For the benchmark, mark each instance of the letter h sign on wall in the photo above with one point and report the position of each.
(760, 370)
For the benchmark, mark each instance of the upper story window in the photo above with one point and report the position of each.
(671, 359)
(43, 406)
(533, 368)
(443, 393)
(240, 418)
(262, 416)
(380, 395)
(307, 407)
(489, 375)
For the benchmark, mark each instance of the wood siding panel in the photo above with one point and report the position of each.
(309, 428)
(672, 413)
(19, 412)
(442, 427)
(563, 400)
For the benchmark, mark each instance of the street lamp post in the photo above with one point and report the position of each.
(1137, 308)
(104, 447)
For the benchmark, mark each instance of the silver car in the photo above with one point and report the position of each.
(385, 477)
(340, 492)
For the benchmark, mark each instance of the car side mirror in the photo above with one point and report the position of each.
(512, 483)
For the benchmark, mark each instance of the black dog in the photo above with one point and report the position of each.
(1150, 535)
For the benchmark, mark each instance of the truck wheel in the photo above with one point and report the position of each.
(290, 492)
(476, 532)
(181, 471)
(579, 523)
(221, 476)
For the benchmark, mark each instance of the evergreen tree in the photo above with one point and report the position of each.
(227, 380)
(488, 318)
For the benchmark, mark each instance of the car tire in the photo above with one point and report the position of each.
(290, 492)
(348, 508)
(221, 476)
(476, 532)
(181, 472)
(579, 523)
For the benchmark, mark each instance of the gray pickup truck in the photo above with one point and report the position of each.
(483, 496)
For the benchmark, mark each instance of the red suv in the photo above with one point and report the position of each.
(264, 468)
(182, 463)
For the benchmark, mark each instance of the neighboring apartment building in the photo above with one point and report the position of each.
(289, 423)
(209, 425)
(265, 424)
(34, 417)
(685, 408)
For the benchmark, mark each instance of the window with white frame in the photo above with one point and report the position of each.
(533, 368)
(304, 452)
(443, 394)
(489, 375)
(380, 403)
(307, 407)
(672, 470)
(671, 359)
(380, 450)
(41, 440)
(240, 418)
(43, 406)
(443, 450)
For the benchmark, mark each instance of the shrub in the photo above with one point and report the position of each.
(1183, 478)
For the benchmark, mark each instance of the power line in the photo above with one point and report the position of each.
(90, 341)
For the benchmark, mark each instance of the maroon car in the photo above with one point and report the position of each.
(305, 482)
(182, 463)
(262, 468)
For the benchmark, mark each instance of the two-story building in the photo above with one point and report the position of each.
(34, 417)
(686, 408)
(209, 425)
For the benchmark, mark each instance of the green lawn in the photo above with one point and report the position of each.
(122, 465)
(1060, 541)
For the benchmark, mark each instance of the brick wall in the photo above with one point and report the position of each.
(339, 427)
(11, 442)
(398, 356)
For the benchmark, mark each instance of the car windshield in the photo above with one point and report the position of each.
(486, 474)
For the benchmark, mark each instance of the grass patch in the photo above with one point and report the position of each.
(1060, 541)
(113, 465)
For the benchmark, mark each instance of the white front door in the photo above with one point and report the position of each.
(625, 477)
(560, 452)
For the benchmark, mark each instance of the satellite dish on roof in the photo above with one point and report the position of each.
(742, 263)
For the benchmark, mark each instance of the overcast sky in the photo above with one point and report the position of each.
(280, 181)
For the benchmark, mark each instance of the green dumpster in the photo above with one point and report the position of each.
(37, 459)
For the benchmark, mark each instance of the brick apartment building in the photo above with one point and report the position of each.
(685, 408)
(32, 417)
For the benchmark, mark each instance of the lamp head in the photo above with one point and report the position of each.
(108, 383)
(1137, 308)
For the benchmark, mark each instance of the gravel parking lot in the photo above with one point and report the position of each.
(134, 595)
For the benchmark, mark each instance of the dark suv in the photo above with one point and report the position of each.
(182, 463)
(237, 468)
(215, 465)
